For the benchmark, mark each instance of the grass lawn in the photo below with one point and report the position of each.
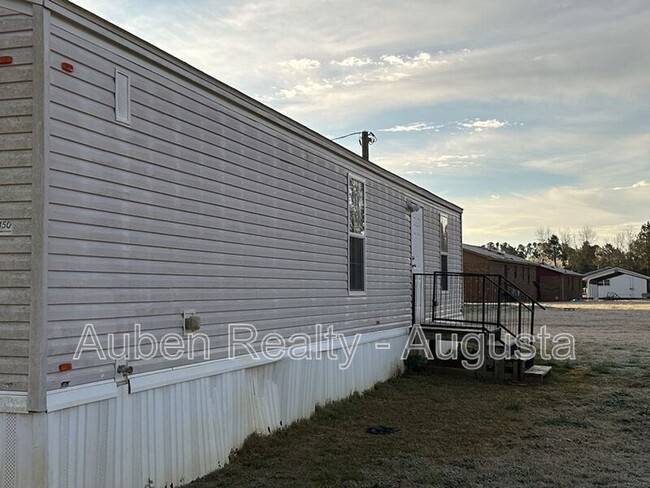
(587, 425)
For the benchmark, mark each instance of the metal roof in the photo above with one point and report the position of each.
(559, 270)
(504, 257)
(497, 255)
(612, 271)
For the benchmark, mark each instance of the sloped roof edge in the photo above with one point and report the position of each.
(497, 255)
(612, 270)
(560, 270)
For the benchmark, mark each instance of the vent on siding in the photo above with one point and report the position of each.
(122, 97)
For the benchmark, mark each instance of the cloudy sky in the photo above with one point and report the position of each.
(528, 114)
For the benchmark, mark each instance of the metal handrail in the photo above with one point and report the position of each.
(533, 301)
(487, 275)
(499, 285)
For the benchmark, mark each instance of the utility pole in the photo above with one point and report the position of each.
(366, 138)
(365, 145)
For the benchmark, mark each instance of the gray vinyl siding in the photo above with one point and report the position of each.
(454, 251)
(16, 32)
(200, 205)
(454, 243)
(432, 239)
(455, 231)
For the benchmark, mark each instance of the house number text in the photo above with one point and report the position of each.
(6, 226)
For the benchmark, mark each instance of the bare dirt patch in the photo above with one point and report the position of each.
(588, 425)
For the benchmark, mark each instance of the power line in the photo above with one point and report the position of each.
(366, 139)
(346, 135)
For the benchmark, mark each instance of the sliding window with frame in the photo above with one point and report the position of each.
(356, 235)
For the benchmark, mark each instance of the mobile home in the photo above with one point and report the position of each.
(140, 195)
(616, 283)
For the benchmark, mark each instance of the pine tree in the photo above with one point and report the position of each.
(640, 250)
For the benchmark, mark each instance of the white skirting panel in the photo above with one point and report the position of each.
(10, 449)
(22, 450)
(176, 433)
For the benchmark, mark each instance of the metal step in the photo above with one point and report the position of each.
(431, 331)
(537, 372)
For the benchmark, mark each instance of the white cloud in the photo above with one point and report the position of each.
(476, 125)
(350, 74)
(638, 184)
(481, 125)
(309, 87)
(428, 161)
(353, 61)
(413, 127)
(460, 157)
(302, 64)
(419, 61)
(392, 77)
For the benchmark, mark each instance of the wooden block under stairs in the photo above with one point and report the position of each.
(536, 373)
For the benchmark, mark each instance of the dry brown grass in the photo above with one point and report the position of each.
(588, 425)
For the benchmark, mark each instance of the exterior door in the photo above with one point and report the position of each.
(417, 262)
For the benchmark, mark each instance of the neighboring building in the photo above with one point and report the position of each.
(539, 281)
(518, 271)
(139, 190)
(558, 284)
(615, 282)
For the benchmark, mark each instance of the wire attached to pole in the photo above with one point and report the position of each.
(366, 139)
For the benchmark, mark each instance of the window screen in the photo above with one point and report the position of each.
(444, 267)
(357, 268)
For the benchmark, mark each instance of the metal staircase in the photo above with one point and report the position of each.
(449, 306)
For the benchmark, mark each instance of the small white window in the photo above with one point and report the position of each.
(603, 283)
(122, 97)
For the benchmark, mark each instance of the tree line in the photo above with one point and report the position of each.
(578, 251)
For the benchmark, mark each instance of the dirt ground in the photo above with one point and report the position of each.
(587, 425)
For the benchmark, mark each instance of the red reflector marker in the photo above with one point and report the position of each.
(67, 67)
(65, 367)
(6, 59)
